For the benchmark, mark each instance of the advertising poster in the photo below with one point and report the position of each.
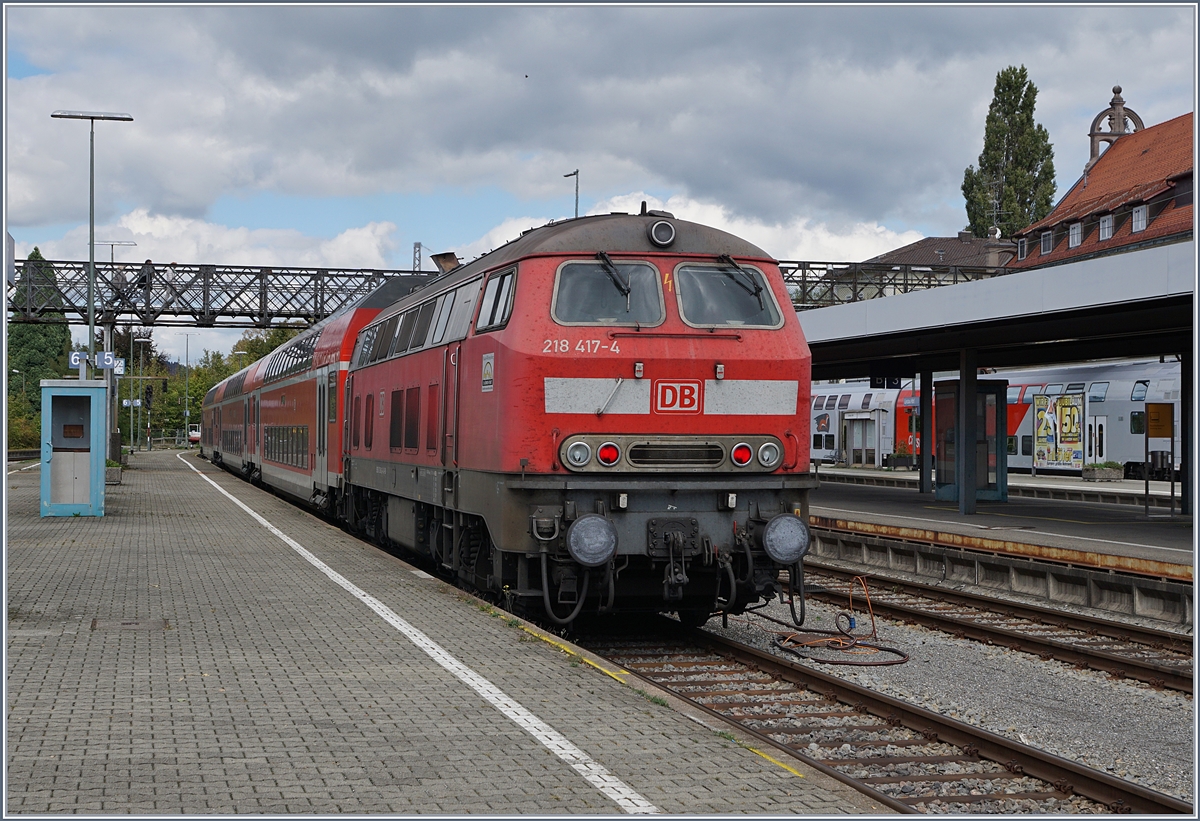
(1058, 431)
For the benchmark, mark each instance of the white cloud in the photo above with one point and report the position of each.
(165, 238)
(799, 238)
(873, 126)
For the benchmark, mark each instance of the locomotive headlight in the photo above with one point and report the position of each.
(592, 540)
(579, 454)
(785, 538)
(661, 233)
(769, 455)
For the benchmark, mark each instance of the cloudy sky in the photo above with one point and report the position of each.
(340, 136)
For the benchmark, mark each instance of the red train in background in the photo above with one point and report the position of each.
(607, 414)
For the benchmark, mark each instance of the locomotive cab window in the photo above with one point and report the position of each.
(604, 292)
(497, 302)
(725, 295)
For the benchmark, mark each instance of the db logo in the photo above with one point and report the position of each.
(677, 397)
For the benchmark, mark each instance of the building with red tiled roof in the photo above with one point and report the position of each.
(1136, 194)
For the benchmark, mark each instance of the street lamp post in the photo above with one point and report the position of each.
(92, 116)
(575, 174)
(141, 384)
(14, 370)
(187, 397)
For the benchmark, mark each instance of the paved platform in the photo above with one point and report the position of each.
(1110, 530)
(179, 656)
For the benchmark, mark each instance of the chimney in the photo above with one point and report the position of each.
(445, 262)
(965, 236)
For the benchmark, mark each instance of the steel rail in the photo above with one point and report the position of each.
(1066, 777)
(1121, 665)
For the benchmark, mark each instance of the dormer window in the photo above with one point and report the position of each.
(1106, 226)
(1047, 242)
(1022, 249)
(1139, 218)
(1075, 237)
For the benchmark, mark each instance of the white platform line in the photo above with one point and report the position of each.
(595, 773)
(27, 467)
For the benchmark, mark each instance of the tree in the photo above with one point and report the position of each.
(1016, 169)
(258, 342)
(37, 350)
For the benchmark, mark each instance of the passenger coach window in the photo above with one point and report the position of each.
(597, 293)
(844, 402)
(866, 401)
(1137, 423)
(819, 403)
(831, 402)
(714, 295)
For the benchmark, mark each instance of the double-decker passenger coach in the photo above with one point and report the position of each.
(606, 414)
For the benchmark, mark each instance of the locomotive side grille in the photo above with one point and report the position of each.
(664, 454)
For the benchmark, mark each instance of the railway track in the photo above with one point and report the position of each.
(911, 759)
(1158, 657)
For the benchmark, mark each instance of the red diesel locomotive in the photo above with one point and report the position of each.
(606, 414)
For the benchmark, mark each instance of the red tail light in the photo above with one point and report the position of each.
(608, 454)
(742, 454)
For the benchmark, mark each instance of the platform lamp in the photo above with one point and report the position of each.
(92, 116)
(575, 174)
(141, 388)
(187, 397)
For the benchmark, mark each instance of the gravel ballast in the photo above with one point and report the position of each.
(1123, 727)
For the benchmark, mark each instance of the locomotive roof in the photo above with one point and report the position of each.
(614, 233)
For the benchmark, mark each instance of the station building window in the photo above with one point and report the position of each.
(1106, 226)
(1139, 218)
(1022, 248)
(1075, 237)
(1047, 241)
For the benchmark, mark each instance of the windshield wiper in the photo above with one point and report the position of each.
(755, 290)
(615, 276)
